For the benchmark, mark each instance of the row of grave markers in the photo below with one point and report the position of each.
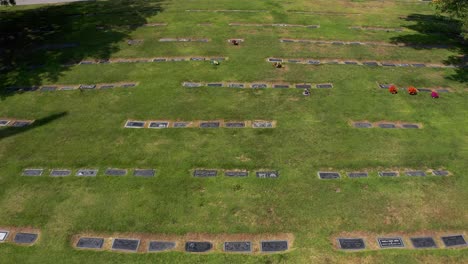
(329, 175)
(260, 84)
(49, 88)
(138, 60)
(386, 124)
(204, 173)
(422, 89)
(133, 245)
(21, 238)
(365, 63)
(89, 172)
(199, 124)
(449, 241)
(15, 123)
(360, 43)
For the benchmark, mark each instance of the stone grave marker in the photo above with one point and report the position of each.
(209, 124)
(338, 43)
(274, 246)
(60, 172)
(236, 173)
(387, 125)
(158, 124)
(280, 85)
(324, 85)
(390, 242)
(3, 235)
(197, 59)
(115, 172)
(236, 85)
(205, 173)
(410, 126)
(275, 60)
(32, 172)
(181, 124)
(159, 59)
(48, 88)
(106, 86)
(303, 86)
(262, 124)
(384, 86)
(440, 173)
(25, 238)
(350, 63)
(104, 61)
(157, 246)
(238, 246)
(351, 243)
(21, 123)
(423, 242)
(294, 61)
(191, 84)
(259, 85)
(418, 65)
(234, 124)
(357, 174)
(362, 125)
(67, 88)
(415, 173)
(132, 42)
(87, 172)
(267, 174)
(128, 85)
(328, 175)
(144, 172)
(370, 63)
(313, 62)
(87, 86)
(90, 242)
(214, 84)
(388, 64)
(135, 124)
(454, 241)
(194, 246)
(388, 173)
(426, 90)
(4, 122)
(125, 244)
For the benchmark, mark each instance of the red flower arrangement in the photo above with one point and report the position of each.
(412, 90)
(392, 89)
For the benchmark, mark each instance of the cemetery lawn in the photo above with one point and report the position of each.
(85, 129)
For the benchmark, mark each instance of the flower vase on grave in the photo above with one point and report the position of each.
(412, 90)
(392, 89)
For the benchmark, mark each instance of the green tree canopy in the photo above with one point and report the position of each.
(457, 9)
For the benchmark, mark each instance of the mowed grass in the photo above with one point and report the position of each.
(85, 129)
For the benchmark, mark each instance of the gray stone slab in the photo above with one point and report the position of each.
(287, 40)
(88, 86)
(370, 63)
(259, 85)
(32, 172)
(388, 64)
(338, 43)
(135, 124)
(197, 59)
(214, 84)
(440, 173)
(350, 62)
(196, 246)
(115, 172)
(21, 123)
(351, 243)
(357, 174)
(404, 65)
(48, 88)
(236, 173)
(388, 173)
(180, 124)
(238, 246)
(105, 61)
(387, 125)
(262, 124)
(87, 172)
(390, 242)
(328, 175)
(159, 59)
(236, 85)
(294, 61)
(454, 241)
(234, 124)
(205, 173)
(410, 126)
(423, 242)
(355, 43)
(4, 122)
(128, 85)
(313, 62)
(90, 242)
(275, 60)
(384, 86)
(424, 90)
(158, 246)
(324, 85)
(158, 124)
(362, 124)
(210, 124)
(60, 172)
(3, 235)
(415, 173)
(144, 172)
(125, 244)
(67, 88)
(267, 174)
(107, 86)
(25, 238)
(274, 246)
(177, 59)
(418, 65)
(191, 84)
(280, 85)
(303, 86)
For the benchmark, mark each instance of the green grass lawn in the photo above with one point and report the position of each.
(85, 130)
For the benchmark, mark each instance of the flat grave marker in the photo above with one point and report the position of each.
(4, 122)
(387, 125)
(144, 172)
(303, 86)
(370, 63)
(390, 242)
(262, 124)
(236, 85)
(191, 84)
(384, 86)
(324, 85)
(415, 173)
(181, 124)
(410, 126)
(90, 242)
(351, 243)
(440, 173)
(238, 246)
(205, 173)
(125, 244)
(209, 124)
(87, 86)
(267, 174)
(157, 246)
(135, 124)
(214, 84)
(423, 242)
(234, 124)
(362, 124)
(115, 172)
(60, 172)
(158, 124)
(21, 123)
(107, 86)
(32, 172)
(25, 238)
(48, 88)
(454, 241)
(280, 85)
(3, 235)
(357, 174)
(274, 246)
(234, 173)
(388, 173)
(128, 85)
(259, 85)
(87, 172)
(328, 175)
(198, 247)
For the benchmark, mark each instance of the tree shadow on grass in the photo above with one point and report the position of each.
(11, 131)
(438, 30)
(36, 42)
